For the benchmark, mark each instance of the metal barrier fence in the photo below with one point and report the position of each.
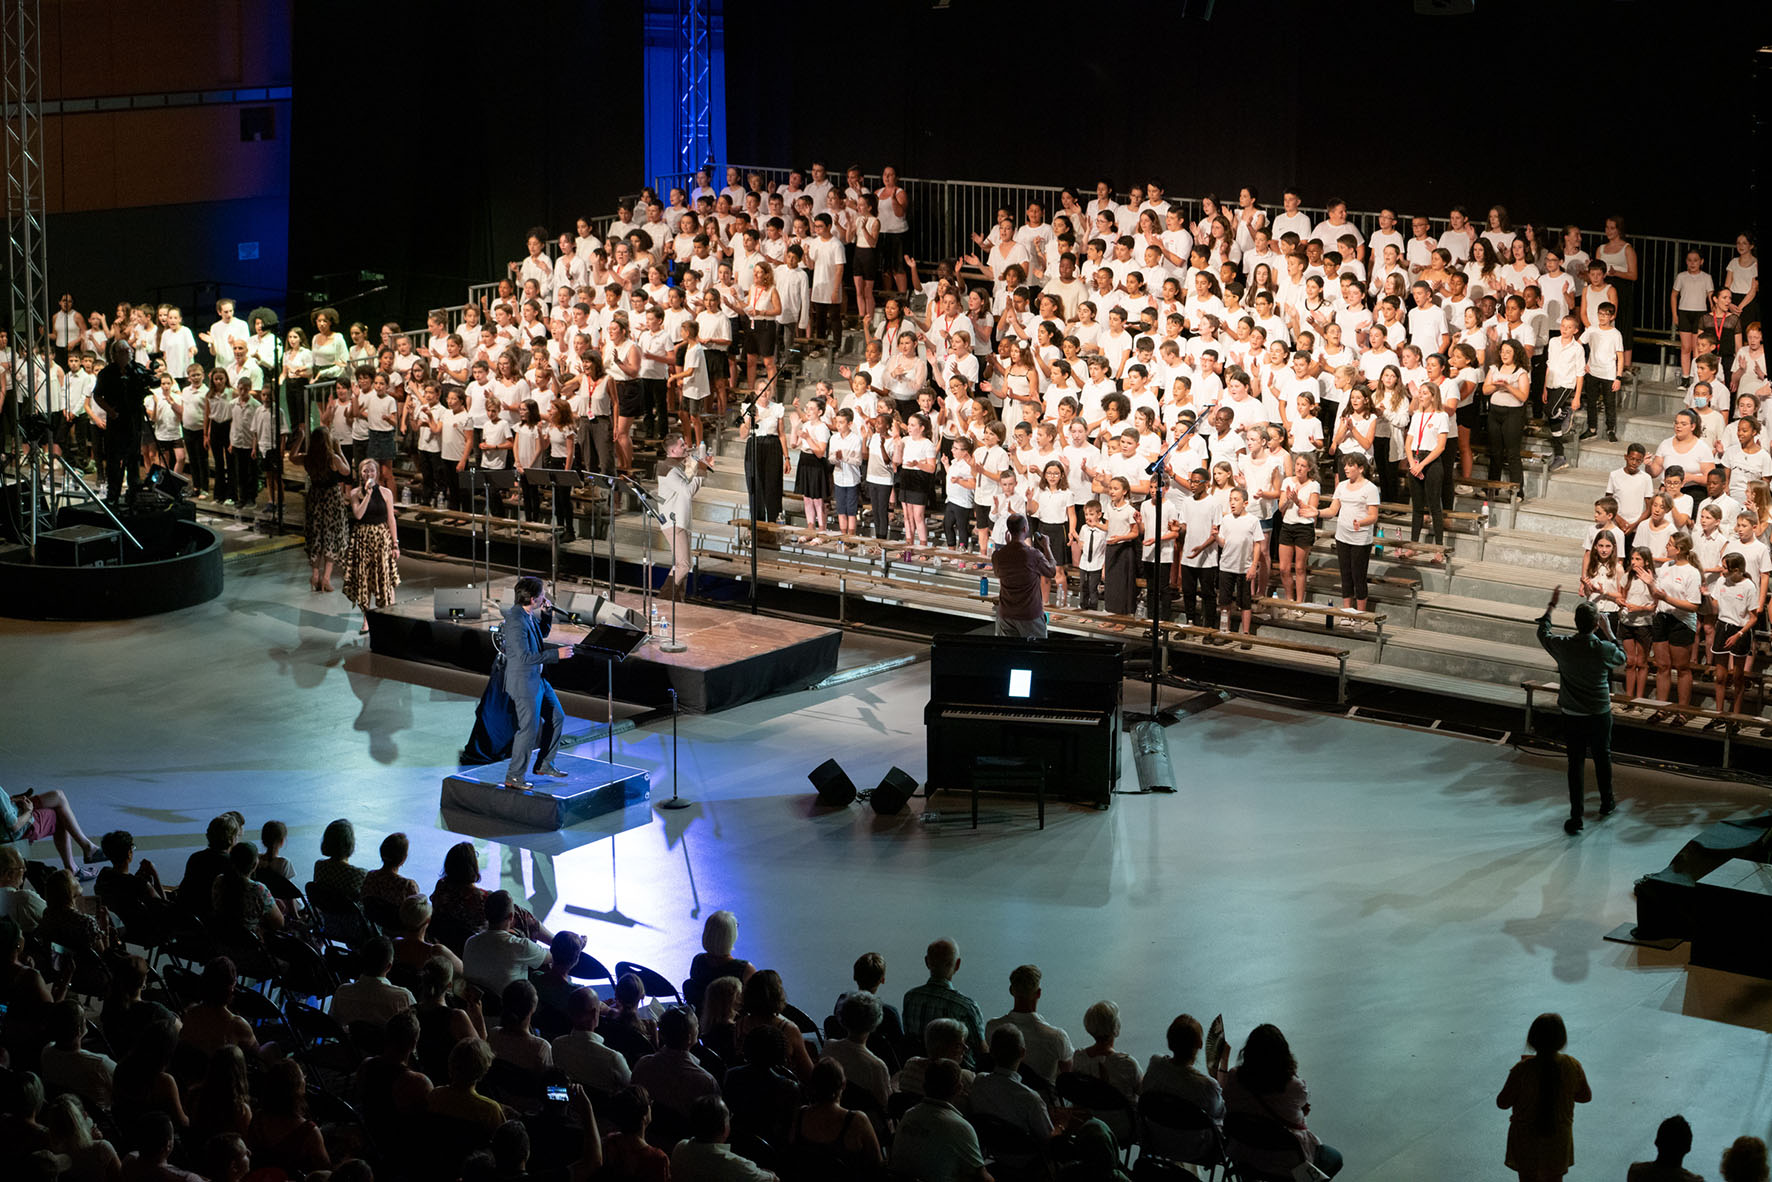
(963, 208)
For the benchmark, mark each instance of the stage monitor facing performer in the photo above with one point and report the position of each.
(540, 721)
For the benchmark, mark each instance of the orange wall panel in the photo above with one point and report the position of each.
(93, 49)
(173, 156)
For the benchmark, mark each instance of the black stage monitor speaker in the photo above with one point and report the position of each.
(895, 790)
(167, 481)
(835, 788)
(456, 603)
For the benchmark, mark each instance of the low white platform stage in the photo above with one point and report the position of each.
(591, 788)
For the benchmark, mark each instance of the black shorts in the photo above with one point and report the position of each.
(891, 250)
(1303, 535)
(762, 338)
(1727, 635)
(1668, 629)
(981, 517)
(630, 399)
(1233, 589)
(1638, 634)
(1691, 321)
(1470, 415)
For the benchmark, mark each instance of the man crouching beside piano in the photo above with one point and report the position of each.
(1021, 572)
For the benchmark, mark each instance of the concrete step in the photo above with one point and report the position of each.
(1484, 619)
(1503, 582)
(1477, 658)
(1558, 518)
(1514, 547)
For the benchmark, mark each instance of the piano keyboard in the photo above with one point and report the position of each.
(1001, 714)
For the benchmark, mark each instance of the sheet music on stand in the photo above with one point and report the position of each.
(612, 642)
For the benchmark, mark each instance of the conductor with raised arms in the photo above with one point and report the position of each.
(540, 721)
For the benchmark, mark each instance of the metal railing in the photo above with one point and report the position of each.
(944, 214)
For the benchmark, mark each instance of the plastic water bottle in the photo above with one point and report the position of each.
(406, 495)
(1485, 521)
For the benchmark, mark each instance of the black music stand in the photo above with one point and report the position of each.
(612, 642)
(468, 480)
(562, 481)
(499, 480)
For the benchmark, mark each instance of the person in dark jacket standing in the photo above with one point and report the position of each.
(1585, 661)
(539, 717)
(121, 391)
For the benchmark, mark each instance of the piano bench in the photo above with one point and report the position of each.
(1009, 773)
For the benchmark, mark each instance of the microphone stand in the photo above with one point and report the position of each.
(675, 802)
(1159, 468)
(650, 512)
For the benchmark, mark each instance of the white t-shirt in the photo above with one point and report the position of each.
(1354, 504)
(1237, 539)
(844, 453)
(1198, 517)
(1630, 491)
(1693, 291)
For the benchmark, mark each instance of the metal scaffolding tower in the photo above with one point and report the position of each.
(27, 269)
(694, 85)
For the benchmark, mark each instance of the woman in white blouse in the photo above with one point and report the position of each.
(765, 463)
(1424, 450)
(1507, 385)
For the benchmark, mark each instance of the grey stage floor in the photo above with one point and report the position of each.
(1400, 903)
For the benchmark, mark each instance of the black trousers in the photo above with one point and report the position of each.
(562, 500)
(880, 501)
(243, 470)
(219, 434)
(199, 459)
(762, 473)
(1424, 494)
(656, 417)
(1600, 396)
(122, 459)
(1353, 561)
(1588, 735)
(1156, 582)
(1199, 594)
(1506, 425)
(956, 525)
(1557, 413)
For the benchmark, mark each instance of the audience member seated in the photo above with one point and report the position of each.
(625, 1024)
(1175, 1075)
(388, 884)
(442, 1027)
(203, 867)
(121, 890)
(209, 1024)
(220, 1103)
(764, 999)
(1000, 1093)
(226, 1158)
(281, 1135)
(554, 986)
(413, 948)
(143, 1082)
(705, 1156)
(271, 837)
(1048, 1048)
(460, 1098)
(1673, 1141)
(937, 998)
(581, 1052)
(946, 1039)
(25, 994)
(69, 1067)
(18, 902)
(761, 1092)
(828, 1139)
(63, 921)
(671, 1075)
(73, 1135)
(1265, 1084)
(387, 1088)
(499, 955)
(513, 1041)
(718, 935)
(721, 1003)
(1115, 1068)
(21, 1101)
(860, 1015)
(240, 903)
(870, 977)
(372, 997)
(934, 1143)
(151, 1134)
(460, 901)
(1745, 1161)
(334, 869)
(626, 1153)
(32, 816)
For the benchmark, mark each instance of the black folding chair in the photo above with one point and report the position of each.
(1162, 1116)
(1264, 1135)
(656, 984)
(1098, 1096)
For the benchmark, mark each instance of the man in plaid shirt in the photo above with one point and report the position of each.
(939, 999)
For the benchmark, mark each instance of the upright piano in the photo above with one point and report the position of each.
(1057, 700)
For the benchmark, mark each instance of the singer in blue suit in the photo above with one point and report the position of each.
(540, 721)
